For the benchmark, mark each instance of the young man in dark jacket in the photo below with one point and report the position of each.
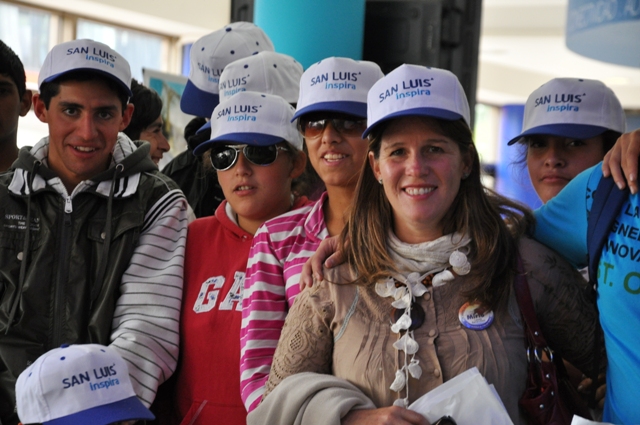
(91, 234)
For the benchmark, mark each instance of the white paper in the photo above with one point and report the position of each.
(577, 420)
(467, 398)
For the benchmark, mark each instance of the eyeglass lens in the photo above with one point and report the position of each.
(224, 157)
(312, 128)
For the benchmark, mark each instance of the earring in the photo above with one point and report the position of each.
(380, 181)
(465, 175)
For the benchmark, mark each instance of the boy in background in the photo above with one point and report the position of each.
(15, 102)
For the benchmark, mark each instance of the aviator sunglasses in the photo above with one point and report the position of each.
(312, 127)
(225, 156)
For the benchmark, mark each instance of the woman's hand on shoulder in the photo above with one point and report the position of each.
(622, 161)
(384, 416)
(326, 255)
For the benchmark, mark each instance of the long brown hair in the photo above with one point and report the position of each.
(476, 211)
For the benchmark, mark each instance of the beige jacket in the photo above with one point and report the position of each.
(344, 330)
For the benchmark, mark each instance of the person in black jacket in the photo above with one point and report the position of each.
(92, 235)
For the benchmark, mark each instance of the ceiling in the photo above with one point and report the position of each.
(521, 46)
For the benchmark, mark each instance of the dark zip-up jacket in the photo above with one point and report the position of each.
(102, 265)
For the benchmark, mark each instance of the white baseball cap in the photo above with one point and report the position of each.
(210, 54)
(85, 55)
(78, 384)
(337, 85)
(265, 72)
(416, 90)
(252, 118)
(572, 107)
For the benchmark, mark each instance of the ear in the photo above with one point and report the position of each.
(25, 102)
(299, 164)
(373, 163)
(126, 116)
(467, 160)
(40, 108)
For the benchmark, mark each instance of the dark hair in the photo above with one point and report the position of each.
(147, 108)
(191, 135)
(11, 65)
(309, 183)
(51, 89)
(193, 126)
(476, 211)
(609, 139)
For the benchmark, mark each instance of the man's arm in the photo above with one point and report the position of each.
(146, 318)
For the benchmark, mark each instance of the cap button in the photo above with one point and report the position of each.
(64, 345)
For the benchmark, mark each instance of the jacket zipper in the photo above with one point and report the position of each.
(63, 274)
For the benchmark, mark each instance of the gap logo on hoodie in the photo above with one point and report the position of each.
(210, 293)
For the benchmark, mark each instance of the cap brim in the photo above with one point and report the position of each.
(253, 139)
(576, 131)
(359, 109)
(421, 112)
(124, 410)
(198, 102)
(96, 71)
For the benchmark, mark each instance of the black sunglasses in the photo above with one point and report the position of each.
(311, 128)
(225, 156)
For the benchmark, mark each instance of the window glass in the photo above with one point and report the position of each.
(186, 59)
(141, 50)
(26, 31)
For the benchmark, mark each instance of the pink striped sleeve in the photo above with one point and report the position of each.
(280, 248)
(264, 308)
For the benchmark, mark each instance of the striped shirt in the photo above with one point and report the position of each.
(146, 318)
(280, 248)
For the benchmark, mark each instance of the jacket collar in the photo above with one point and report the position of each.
(314, 225)
(132, 157)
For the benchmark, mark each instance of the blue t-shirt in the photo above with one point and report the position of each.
(562, 225)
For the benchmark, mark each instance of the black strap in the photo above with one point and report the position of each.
(607, 202)
(525, 302)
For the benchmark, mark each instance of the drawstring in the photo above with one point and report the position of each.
(97, 286)
(25, 248)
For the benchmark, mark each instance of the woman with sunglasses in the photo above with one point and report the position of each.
(426, 291)
(331, 115)
(256, 153)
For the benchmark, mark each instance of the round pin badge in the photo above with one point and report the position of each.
(475, 316)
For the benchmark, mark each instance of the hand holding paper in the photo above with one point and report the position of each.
(467, 398)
